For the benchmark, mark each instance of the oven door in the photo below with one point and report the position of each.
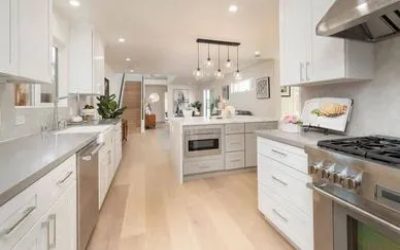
(345, 221)
(202, 145)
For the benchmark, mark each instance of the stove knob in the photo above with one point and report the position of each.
(352, 182)
(315, 168)
(328, 170)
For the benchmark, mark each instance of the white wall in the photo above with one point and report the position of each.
(248, 100)
(158, 108)
(376, 103)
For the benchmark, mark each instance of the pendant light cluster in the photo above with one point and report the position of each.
(199, 72)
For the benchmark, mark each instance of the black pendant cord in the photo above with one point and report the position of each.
(198, 56)
(229, 59)
(208, 53)
(237, 63)
(219, 59)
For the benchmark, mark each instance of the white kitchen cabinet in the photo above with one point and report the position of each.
(8, 39)
(34, 39)
(307, 58)
(283, 196)
(35, 239)
(86, 61)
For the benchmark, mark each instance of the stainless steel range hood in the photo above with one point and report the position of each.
(366, 20)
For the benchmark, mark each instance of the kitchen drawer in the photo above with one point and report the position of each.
(234, 160)
(234, 128)
(234, 143)
(291, 156)
(297, 227)
(203, 166)
(288, 183)
(251, 127)
(18, 215)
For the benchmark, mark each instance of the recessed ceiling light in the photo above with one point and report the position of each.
(128, 59)
(131, 71)
(233, 8)
(121, 40)
(74, 3)
(257, 53)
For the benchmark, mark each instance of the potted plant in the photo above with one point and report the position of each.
(108, 107)
(197, 107)
(291, 124)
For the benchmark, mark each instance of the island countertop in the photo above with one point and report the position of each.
(25, 160)
(299, 140)
(197, 121)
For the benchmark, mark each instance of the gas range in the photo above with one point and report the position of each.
(356, 178)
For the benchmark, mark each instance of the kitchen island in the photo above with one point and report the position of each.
(202, 147)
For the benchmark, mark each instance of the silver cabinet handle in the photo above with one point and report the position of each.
(280, 216)
(280, 181)
(25, 215)
(53, 243)
(60, 182)
(87, 158)
(307, 74)
(278, 152)
(301, 72)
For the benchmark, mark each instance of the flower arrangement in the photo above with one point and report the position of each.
(291, 124)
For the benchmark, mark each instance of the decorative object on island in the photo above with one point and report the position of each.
(263, 88)
(153, 98)
(208, 64)
(291, 124)
(197, 108)
(181, 100)
(286, 91)
(150, 121)
(89, 113)
(225, 92)
(108, 107)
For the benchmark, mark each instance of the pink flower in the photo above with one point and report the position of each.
(290, 119)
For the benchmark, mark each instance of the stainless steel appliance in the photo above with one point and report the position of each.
(356, 183)
(366, 20)
(88, 192)
(203, 141)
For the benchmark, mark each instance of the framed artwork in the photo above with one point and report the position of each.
(181, 100)
(263, 88)
(225, 92)
(285, 91)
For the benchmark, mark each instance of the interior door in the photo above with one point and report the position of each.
(132, 100)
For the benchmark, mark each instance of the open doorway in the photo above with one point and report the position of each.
(155, 106)
(132, 100)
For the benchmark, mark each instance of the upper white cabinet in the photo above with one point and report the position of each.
(34, 34)
(8, 38)
(86, 61)
(25, 40)
(308, 58)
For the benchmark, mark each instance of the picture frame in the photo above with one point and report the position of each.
(263, 88)
(180, 101)
(225, 92)
(286, 91)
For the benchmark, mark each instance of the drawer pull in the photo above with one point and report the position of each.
(279, 152)
(25, 215)
(280, 216)
(63, 180)
(53, 243)
(236, 160)
(279, 181)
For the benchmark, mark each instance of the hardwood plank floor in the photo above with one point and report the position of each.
(147, 209)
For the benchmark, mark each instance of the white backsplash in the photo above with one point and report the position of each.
(376, 103)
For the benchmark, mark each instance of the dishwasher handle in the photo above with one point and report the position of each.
(97, 149)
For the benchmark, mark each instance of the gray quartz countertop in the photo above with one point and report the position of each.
(23, 161)
(99, 122)
(300, 139)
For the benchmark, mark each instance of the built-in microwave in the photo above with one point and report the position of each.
(200, 142)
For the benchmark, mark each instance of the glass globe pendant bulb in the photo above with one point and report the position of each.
(197, 73)
(237, 75)
(228, 64)
(219, 74)
(209, 63)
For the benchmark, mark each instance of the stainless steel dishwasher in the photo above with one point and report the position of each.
(88, 192)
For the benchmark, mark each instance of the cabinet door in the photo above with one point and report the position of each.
(34, 39)
(98, 65)
(62, 221)
(328, 54)
(250, 150)
(8, 42)
(35, 239)
(294, 40)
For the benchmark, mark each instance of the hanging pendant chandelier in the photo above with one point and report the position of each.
(209, 64)
(237, 74)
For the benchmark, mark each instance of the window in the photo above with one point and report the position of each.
(242, 86)
(207, 102)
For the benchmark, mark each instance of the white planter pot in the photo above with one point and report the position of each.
(289, 127)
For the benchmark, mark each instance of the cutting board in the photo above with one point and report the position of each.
(327, 113)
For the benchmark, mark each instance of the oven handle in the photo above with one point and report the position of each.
(354, 208)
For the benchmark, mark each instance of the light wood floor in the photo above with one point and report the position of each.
(146, 209)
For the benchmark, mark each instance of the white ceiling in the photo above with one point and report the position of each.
(160, 34)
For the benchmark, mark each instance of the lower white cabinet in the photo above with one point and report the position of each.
(43, 216)
(109, 159)
(283, 195)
